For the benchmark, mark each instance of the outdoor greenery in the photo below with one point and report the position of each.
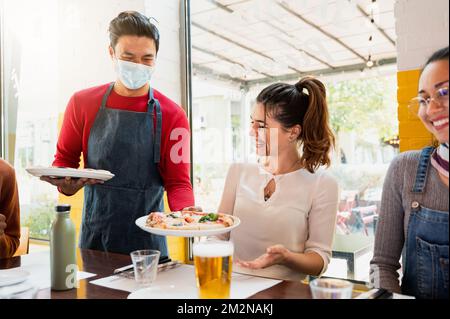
(365, 107)
(39, 219)
(360, 104)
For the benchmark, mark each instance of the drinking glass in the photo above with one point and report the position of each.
(330, 288)
(145, 264)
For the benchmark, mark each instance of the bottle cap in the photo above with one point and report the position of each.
(62, 208)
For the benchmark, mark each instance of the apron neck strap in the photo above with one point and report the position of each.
(154, 104)
(107, 94)
(151, 97)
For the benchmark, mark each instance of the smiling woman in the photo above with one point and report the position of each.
(287, 202)
(415, 205)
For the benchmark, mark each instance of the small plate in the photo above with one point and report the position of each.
(13, 276)
(140, 222)
(39, 171)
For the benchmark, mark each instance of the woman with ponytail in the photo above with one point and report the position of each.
(287, 204)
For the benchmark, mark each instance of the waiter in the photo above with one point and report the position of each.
(125, 127)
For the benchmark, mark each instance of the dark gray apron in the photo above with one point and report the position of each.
(126, 144)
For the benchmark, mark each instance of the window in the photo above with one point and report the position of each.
(31, 104)
(51, 49)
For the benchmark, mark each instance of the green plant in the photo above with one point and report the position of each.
(39, 220)
(357, 105)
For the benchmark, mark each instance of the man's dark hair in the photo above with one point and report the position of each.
(132, 23)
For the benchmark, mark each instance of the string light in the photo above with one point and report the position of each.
(370, 63)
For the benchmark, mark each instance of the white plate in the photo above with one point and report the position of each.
(13, 276)
(140, 222)
(39, 171)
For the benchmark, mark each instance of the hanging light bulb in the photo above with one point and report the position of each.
(370, 63)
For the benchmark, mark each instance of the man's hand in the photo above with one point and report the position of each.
(70, 186)
(2, 224)
(274, 255)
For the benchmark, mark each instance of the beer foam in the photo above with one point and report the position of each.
(213, 250)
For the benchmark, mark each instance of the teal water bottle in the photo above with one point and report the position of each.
(63, 258)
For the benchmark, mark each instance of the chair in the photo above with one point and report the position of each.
(24, 245)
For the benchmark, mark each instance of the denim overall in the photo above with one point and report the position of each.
(126, 144)
(426, 251)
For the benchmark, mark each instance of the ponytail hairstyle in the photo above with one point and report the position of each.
(302, 104)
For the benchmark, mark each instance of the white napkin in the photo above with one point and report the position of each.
(179, 283)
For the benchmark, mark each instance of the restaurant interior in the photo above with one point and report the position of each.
(215, 56)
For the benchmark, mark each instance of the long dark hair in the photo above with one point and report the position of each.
(302, 104)
(132, 23)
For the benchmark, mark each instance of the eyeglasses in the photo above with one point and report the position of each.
(419, 103)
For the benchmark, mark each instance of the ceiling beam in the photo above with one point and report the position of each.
(224, 58)
(294, 47)
(221, 6)
(223, 37)
(287, 8)
(381, 30)
(347, 68)
(212, 74)
(207, 72)
(229, 10)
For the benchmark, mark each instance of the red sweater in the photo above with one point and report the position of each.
(80, 116)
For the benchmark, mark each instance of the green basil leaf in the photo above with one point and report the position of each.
(213, 217)
(204, 219)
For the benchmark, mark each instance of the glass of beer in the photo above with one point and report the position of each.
(213, 260)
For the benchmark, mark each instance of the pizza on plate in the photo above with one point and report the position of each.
(189, 220)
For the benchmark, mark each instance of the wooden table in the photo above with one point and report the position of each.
(103, 264)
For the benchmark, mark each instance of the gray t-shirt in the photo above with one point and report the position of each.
(394, 215)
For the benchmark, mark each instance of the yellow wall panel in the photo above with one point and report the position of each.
(413, 135)
(177, 245)
(413, 129)
(419, 143)
(409, 77)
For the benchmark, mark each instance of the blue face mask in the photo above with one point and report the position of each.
(133, 75)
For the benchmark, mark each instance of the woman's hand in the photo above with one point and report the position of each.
(70, 186)
(274, 255)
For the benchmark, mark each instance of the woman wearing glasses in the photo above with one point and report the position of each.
(415, 203)
(287, 205)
